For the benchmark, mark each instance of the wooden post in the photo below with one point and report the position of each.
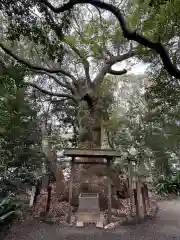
(138, 189)
(70, 191)
(130, 188)
(37, 192)
(136, 204)
(146, 194)
(48, 198)
(109, 190)
(32, 196)
(143, 200)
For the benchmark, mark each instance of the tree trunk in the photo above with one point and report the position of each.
(51, 158)
(90, 136)
(90, 122)
(92, 178)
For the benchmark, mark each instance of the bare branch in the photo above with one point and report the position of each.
(31, 66)
(63, 95)
(61, 83)
(129, 34)
(120, 58)
(65, 85)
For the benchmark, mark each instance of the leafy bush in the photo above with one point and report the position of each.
(9, 209)
(166, 186)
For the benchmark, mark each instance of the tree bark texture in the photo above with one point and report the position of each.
(90, 122)
(90, 136)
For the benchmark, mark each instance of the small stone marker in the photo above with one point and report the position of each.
(79, 224)
(32, 196)
(99, 225)
(111, 225)
(88, 211)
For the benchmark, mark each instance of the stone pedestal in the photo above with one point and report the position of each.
(89, 210)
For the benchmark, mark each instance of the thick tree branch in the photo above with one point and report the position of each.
(31, 66)
(62, 84)
(114, 72)
(115, 59)
(63, 95)
(109, 63)
(127, 32)
(66, 85)
(65, 7)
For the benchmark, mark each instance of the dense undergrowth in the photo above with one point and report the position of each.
(167, 186)
(10, 210)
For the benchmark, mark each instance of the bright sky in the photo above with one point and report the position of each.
(138, 68)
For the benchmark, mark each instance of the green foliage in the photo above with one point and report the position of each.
(166, 186)
(19, 133)
(66, 40)
(67, 116)
(9, 209)
(152, 132)
(31, 20)
(161, 120)
(157, 24)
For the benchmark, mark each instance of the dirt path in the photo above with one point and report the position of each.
(165, 226)
(168, 217)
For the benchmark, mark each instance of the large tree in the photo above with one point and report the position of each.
(68, 63)
(94, 39)
(71, 51)
(73, 63)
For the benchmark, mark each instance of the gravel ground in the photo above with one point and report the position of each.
(166, 225)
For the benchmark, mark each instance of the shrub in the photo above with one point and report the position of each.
(9, 209)
(166, 186)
